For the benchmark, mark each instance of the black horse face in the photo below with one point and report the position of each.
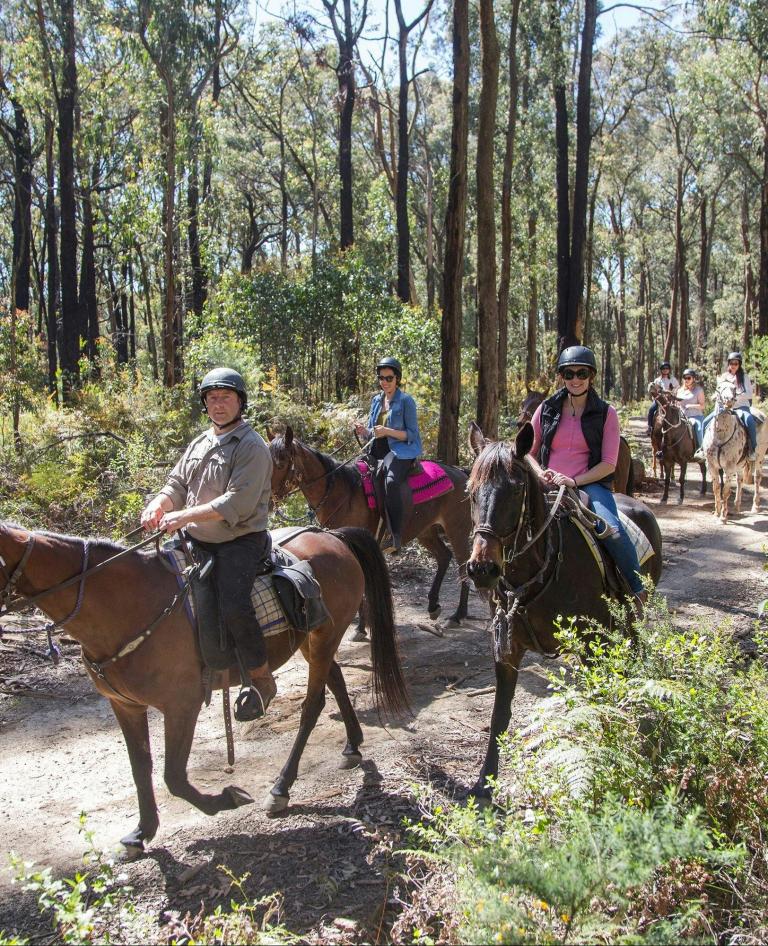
(497, 488)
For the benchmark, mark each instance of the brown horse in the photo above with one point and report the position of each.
(535, 565)
(335, 492)
(141, 652)
(623, 475)
(673, 439)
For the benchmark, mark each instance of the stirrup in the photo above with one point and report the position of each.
(251, 703)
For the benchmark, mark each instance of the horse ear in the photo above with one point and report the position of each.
(477, 440)
(524, 440)
(270, 433)
(288, 439)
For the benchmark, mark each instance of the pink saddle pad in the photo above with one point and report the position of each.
(431, 481)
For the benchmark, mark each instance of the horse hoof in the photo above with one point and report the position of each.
(132, 852)
(434, 615)
(453, 621)
(276, 804)
(237, 797)
(359, 637)
(350, 760)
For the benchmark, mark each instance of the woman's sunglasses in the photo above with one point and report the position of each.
(386, 377)
(582, 374)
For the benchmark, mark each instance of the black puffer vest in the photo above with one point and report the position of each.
(592, 423)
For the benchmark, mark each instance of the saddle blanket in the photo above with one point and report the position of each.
(638, 538)
(266, 604)
(427, 483)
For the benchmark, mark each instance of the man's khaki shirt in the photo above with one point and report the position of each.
(234, 476)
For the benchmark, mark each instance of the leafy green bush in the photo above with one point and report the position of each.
(632, 808)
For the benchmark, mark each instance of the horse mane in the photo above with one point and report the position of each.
(97, 543)
(495, 462)
(347, 472)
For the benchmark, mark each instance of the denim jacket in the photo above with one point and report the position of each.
(402, 416)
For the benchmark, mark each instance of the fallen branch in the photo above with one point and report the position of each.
(430, 630)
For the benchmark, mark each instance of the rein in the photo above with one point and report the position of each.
(8, 606)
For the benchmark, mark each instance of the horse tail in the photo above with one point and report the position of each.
(389, 689)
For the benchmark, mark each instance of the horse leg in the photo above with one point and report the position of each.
(311, 708)
(715, 476)
(351, 756)
(757, 475)
(133, 723)
(667, 476)
(506, 681)
(361, 633)
(180, 722)
(459, 540)
(683, 468)
(725, 496)
(703, 468)
(433, 543)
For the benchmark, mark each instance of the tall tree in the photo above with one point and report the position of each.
(455, 220)
(487, 302)
(403, 154)
(347, 33)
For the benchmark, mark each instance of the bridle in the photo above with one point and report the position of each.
(508, 542)
(10, 604)
(666, 425)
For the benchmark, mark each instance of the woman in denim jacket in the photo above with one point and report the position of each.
(393, 425)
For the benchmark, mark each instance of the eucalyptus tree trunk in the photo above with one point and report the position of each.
(67, 97)
(88, 304)
(762, 300)
(750, 295)
(453, 264)
(506, 204)
(487, 303)
(22, 208)
(52, 257)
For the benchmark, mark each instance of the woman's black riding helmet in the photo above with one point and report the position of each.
(224, 378)
(392, 363)
(736, 356)
(665, 364)
(689, 373)
(577, 355)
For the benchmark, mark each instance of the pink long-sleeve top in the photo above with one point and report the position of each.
(569, 453)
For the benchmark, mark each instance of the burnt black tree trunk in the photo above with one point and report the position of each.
(455, 219)
(70, 317)
(401, 196)
(52, 254)
(88, 306)
(347, 35)
(22, 207)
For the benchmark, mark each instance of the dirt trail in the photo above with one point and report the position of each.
(330, 856)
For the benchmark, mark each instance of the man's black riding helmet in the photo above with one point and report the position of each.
(224, 378)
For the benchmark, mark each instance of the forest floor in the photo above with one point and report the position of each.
(332, 857)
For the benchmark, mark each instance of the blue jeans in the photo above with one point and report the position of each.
(698, 429)
(619, 546)
(652, 414)
(746, 415)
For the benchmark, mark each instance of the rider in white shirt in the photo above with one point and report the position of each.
(667, 382)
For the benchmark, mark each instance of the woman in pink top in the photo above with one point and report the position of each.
(576, 443)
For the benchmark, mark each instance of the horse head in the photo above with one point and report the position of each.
(286, 468)
(725, 396)
(528, 407)
(498, 488)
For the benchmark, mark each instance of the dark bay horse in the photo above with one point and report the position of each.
(126, 603)
(623, 475)
(673, 438)
(536, 567)
(335, 492)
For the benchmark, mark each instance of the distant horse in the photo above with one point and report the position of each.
(335, 492)
(623, 475)
(537, 567)
(140, 649)
(726, 447)
(673, 438)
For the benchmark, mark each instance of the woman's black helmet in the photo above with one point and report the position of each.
(224, 378)
(665, 364)
(577, 355)
(736, 356)
(689, 373)
(392, 363)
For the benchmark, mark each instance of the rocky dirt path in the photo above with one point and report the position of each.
(331, 857)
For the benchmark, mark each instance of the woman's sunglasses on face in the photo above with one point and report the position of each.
(386, 377)
(582, 374)
(733, 363)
